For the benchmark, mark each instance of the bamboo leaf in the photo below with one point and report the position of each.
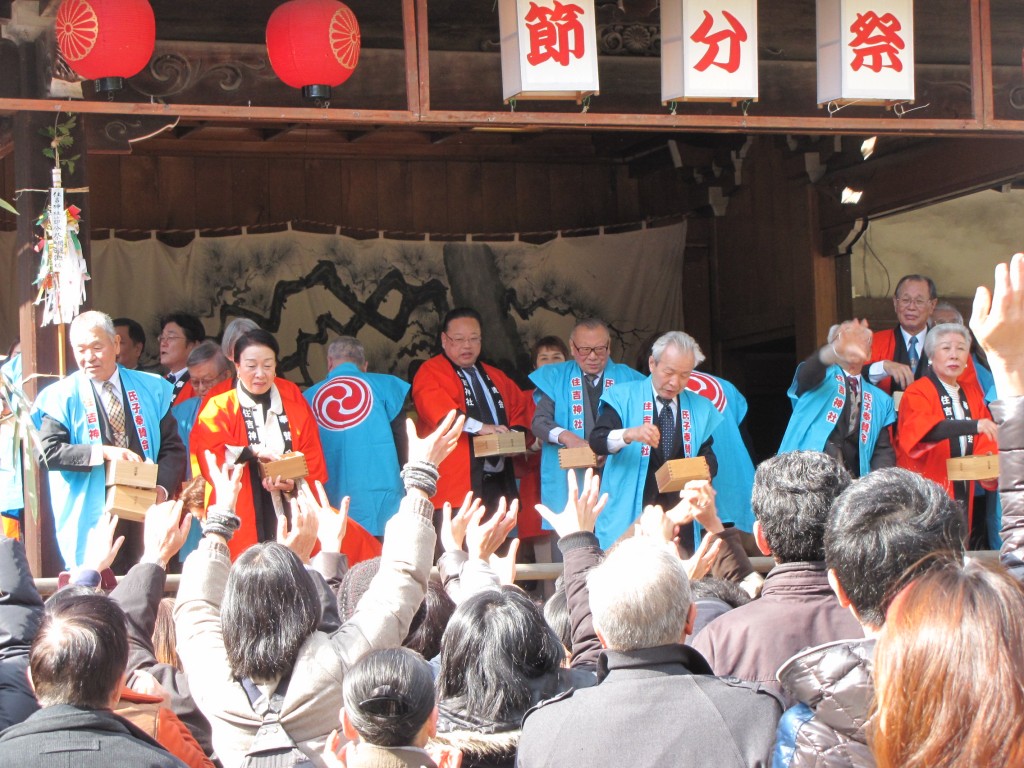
(8, 207)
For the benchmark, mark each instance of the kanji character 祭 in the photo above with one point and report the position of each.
(876, 40)
(735, 34)
(556, 33)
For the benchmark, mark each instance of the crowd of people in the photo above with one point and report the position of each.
(363, 610)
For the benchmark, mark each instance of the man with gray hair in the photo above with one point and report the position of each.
(362, 431)
(836, 409)
(642, 424)
(567, 398)
(656, 702)
(103, 412)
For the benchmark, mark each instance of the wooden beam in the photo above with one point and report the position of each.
(591, 121)
(423, 55)
(929, 173)
(409, 42)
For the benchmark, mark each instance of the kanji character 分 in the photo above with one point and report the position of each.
(736, 34)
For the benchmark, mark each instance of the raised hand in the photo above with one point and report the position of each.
(453, 526)
(581, 508)
(435, 447)
(164, 532)
(998, 322)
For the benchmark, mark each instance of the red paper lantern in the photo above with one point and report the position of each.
(106, 40)
(313, 45)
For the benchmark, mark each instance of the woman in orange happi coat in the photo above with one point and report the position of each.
(942, 415)
(259, 419)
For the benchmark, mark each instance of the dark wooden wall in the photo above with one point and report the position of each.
(438, 196)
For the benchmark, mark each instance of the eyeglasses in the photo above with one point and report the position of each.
(588, 351)
(460, 341)
(168, 338)
(907, 301)
(206, 383)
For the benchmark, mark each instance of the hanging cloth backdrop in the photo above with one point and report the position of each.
(308, 288)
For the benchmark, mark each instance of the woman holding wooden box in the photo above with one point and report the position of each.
(939, 419)
(255, 423)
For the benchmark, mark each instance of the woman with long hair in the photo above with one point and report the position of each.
(949, 672)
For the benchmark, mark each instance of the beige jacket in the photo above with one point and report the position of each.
(311, 706)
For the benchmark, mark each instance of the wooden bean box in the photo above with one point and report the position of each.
(499, 444)
(973, 467)
(674, 475)
(577, 458)
(130, 503)
(291, 466)
(134, 474)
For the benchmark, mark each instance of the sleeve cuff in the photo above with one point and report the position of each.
(578, 540)
(553, 435)
(615, 441)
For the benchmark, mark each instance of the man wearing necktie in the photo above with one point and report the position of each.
(641, 425)
(179, 335)
(897, 354)
(492, 404)
(567, 398)
(103, 412)
(836, 409)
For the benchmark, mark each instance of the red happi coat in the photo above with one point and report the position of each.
(920, 411)
(436, 390)
(220, 424)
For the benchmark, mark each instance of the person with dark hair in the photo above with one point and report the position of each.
(389, 713)
(429, 621)
(882, 532)
(898, 357)
(556, 614)
(133, 342)
(499, 658)
(793, 493)
(77, 664)
(180, 332)
(548, 350)
(103, 412)
(836, 409)
(948, 670)
(567, 400)
(361, 416)
(259, 420)
(21, 611)
(250, 631)
(457, 379)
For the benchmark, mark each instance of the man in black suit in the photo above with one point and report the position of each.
(100, 413)
(642, 424)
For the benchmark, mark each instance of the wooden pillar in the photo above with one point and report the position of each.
(32, 170)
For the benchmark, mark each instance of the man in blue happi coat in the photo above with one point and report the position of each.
(362, 429)
(836, 409)
(99, 413)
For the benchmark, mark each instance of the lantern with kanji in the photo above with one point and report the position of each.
(106, 40)
(548, 49)
(313, 45)
(708, 50)
(865, 51)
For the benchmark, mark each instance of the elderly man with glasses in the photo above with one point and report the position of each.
(492, 404)
(567, 398)
(897, 355)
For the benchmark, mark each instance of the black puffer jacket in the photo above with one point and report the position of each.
(1009, 414)
(21, 612)
(828, 729)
